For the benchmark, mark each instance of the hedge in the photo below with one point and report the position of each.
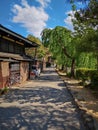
(86, 74)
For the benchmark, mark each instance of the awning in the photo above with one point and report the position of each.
(8, 60)
(13, 57)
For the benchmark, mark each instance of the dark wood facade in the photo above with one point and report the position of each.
(13, 59)
(9, 46)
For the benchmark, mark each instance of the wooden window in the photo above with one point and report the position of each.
(4, 45)
(19, 49)
(14, 66)
(14, 69)
(11, 47)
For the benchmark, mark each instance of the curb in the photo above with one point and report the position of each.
(86, 118)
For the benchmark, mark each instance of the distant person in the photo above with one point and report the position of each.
(36, 71)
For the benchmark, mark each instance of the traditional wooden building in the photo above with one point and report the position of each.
(13, 60)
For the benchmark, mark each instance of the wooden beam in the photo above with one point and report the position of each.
(7, 38)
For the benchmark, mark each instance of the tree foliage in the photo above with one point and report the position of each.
(41, 51)
(81, 45)
(60, 42)
(85, 26)
(34, 39)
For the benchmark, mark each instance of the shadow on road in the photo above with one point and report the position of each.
(39, 109)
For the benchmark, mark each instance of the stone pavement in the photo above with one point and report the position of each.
(43, 104)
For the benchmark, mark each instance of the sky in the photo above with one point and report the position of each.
(32, 16)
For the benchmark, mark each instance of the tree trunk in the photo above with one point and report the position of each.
(72, 64)
(66, 68)
(97, 63)
(35, 56)
(73, 68)
(62, 67)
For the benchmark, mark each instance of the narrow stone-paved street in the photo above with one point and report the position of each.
(43, 104)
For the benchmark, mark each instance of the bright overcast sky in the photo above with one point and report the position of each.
(32, 16)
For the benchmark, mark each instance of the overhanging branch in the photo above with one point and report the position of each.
(65, 52)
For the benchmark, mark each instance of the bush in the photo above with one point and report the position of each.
(69, 74)
(3, 91)
(94, 80)
(48, 64)
(83, 73)
(86, 74)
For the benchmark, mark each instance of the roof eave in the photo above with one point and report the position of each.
(6, 30)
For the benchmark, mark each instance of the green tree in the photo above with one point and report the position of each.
(60, 43)
(36, 52)
(85, 26)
